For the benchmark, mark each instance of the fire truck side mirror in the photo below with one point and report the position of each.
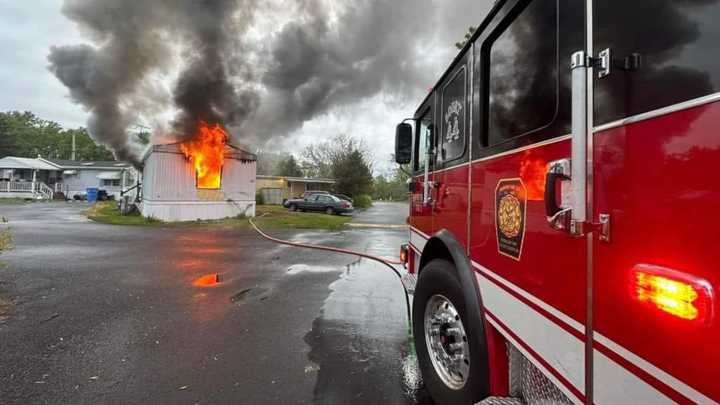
(403, 143)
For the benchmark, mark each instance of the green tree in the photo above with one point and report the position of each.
(289, 167)
(318, 159)
(26, 135)
(381, 188)
(468, 34)
(353, 174)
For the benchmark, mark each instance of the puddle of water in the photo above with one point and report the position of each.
(249, 293)
(304, 268)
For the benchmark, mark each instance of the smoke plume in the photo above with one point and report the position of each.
(261, 69)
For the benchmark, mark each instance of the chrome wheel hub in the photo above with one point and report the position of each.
(447, 342)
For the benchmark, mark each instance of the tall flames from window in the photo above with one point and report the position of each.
(205, 151)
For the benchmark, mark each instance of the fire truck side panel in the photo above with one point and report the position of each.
(655, 156)
(656, 180)
(451, 202)
(538, 296)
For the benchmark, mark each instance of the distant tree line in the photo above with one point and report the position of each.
(393, 187)
(343, 158)
(23, 134)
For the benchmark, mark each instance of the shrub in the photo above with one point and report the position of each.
(259, 199)
(363, 201)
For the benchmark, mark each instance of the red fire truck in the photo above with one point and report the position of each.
(564, 207)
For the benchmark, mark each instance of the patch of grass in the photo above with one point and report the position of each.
(274, 216)
(107, 212)
(5, 244)
(268, 216)
(14, 201)
(6, 305)
(5, 236)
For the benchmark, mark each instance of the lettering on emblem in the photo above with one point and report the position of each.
(510, 209)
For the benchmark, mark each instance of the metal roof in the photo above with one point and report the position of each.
(12, 162)
(231, 151)
(89, 164)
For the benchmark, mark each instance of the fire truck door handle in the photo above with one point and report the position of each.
(557, 172)
(551, 205)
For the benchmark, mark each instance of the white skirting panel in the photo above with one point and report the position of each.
(177, 211)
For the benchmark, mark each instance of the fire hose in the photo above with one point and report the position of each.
(387, 262)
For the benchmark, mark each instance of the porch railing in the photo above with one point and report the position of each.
(44, 190)
(16, 187)
(37, 189)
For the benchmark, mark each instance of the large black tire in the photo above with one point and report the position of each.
(293, 207)
(439, 277)
(329, 211)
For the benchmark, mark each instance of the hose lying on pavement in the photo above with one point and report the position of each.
(387, 262)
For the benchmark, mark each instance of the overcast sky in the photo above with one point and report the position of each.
(29, 28)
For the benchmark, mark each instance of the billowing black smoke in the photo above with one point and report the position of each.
(327, 54)
(135, 40)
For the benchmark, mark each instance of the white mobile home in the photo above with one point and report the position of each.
(78, 176)
(170, 192)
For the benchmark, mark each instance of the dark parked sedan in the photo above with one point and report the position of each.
(320, 202)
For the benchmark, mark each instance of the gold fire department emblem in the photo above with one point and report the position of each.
(509, 216)
(510, 205)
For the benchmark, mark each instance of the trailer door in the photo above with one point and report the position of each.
(656, 195)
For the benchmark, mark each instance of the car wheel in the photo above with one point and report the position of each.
(293, 207)
(450, 368)
(329, 211)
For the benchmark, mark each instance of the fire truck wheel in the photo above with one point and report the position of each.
(440, 326)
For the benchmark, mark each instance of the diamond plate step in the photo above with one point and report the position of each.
(500, 401)
(409, 281)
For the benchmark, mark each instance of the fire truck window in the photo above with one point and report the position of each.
(659, 59)
(453, 118)
(523, 73)
(423, 141)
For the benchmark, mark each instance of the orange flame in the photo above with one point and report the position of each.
(206, 151)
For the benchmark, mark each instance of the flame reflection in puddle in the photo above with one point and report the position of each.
(207, 280)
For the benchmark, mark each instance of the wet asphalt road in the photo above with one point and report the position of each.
(385, 213)
(109, 314)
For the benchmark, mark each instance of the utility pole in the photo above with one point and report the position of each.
(72, 154)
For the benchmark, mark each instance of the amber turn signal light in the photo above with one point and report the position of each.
(404, 254)
(676, 293)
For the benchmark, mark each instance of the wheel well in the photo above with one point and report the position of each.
(434, 249)
(444, 245)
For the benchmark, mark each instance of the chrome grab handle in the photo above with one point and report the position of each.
(559, 218)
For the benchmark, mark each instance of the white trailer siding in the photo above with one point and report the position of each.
(170, 193)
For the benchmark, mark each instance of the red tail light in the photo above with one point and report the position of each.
(676, 293)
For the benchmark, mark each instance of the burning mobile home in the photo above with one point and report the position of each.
(203, 178)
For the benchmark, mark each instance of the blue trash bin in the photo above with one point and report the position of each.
(92, 194)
